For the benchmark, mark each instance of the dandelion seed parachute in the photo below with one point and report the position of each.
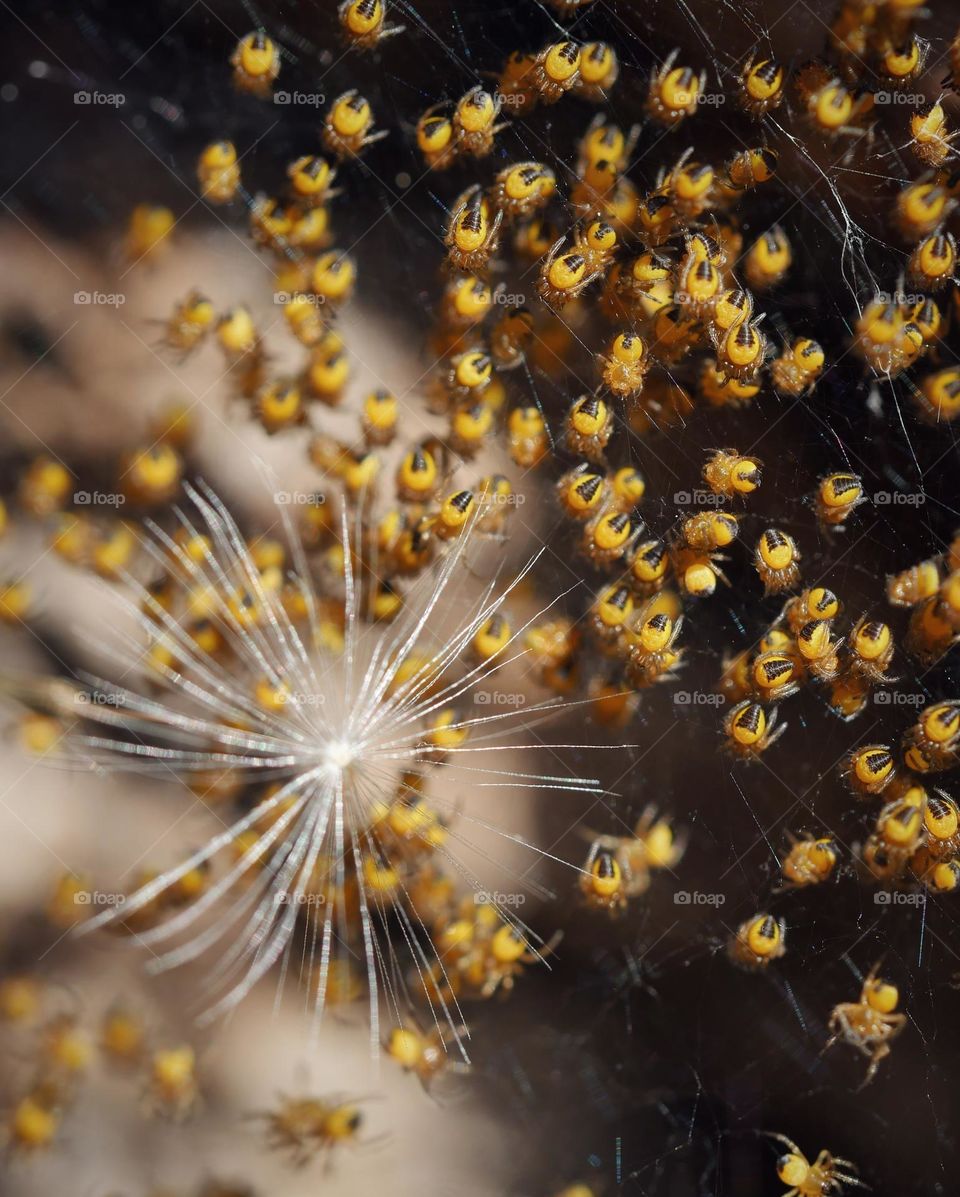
(344, 737)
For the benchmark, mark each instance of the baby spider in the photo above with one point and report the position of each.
(729, 474)
(472, 234)
(776, 560)
(932, 743)
(869, 770)
(710, 530)
(797, 369)
(653, 845)
(758, 941)
(348, 124)
(625, 365)
(818, 650)
(589, 425)
(871, 650)
(522, 189)
(510, 335)
(833, 109)
(747, 170)
(308, 1126)
(902, 62)
(554, 71)
(775, 675)
(869, 1024)
(836, 497)
(649, 566)
(188, 325)
(883, 336)
(563, 278)
(468, 375)
(651, 656)
(698, 287)
(311, 178)
(474, 122)
(527, 437)
(931, 265)
(698, 572)
(599, 69)
(922, 207)
(503, 958)
(172, 1082)
(606, 142)
(435, 138)
(761, 85)
(931, 142)
(34, 1122)
(749, 731)
(768, 259)
(815, 603)
(424, 1053)
(740, 351)
(819, 1179)
(582, 492)
(611, 535)
(610, 614)
(597, 242)
(604, 882)
(218, 172)
(364, 23)
(674, 92)
(256, 64)
(915, 585)
(808, 862)
(848, 696)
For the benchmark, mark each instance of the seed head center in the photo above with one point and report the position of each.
(340, 755)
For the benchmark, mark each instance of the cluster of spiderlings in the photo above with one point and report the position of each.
(660, 267)
(662, 288)
(916, 836)
(197, 609)
(59, 1055)
(198, 612)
